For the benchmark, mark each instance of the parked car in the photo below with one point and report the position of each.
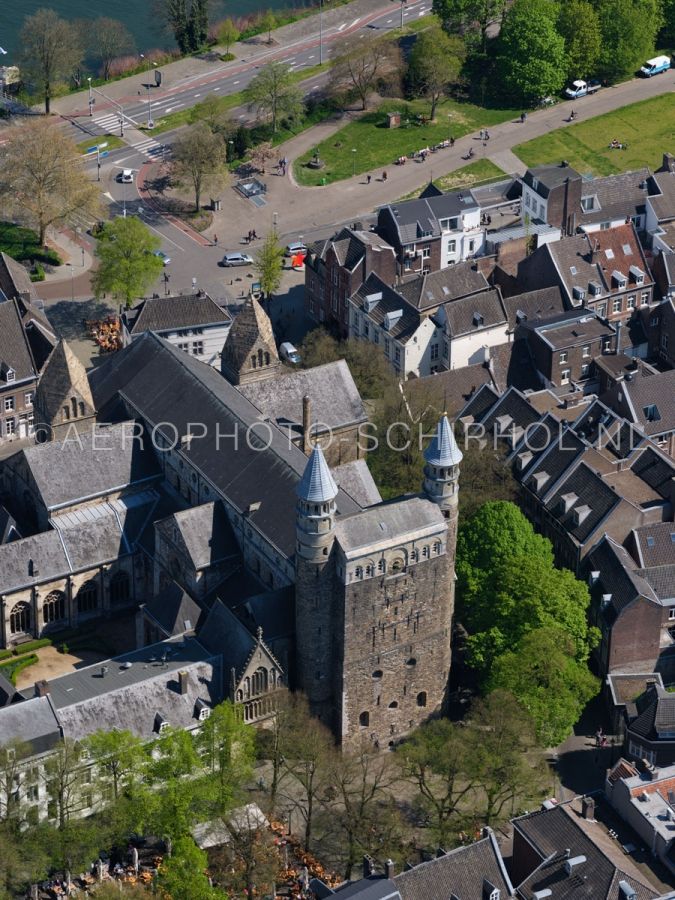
(126, 176)
(295, 248)
(162, 255)
(288, 352)
(236, 259)
(655, 66)
(581, 89)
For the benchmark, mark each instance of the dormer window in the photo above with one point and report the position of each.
(478, 320)
(10, 376)
(202, 710)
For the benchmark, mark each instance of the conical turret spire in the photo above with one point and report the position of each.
(317, 484)
(443, 450)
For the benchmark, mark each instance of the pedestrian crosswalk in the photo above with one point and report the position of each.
(108, 123)
(151, 148)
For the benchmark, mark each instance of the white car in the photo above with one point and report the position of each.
(126, 176)
(295, 248)
(160, 254)
(236, 259)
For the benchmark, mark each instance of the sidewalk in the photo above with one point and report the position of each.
(178, 74)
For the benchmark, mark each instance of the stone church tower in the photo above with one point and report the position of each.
(63, 399)
(375, 600)
(250, 351)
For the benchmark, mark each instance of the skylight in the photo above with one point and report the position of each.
(609, 253)
(651, 542)
(651, 413)
(627, 250)
(573, 270)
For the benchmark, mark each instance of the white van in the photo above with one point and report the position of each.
(655, 66)
(289, 352)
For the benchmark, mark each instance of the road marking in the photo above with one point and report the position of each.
(355, 22)
(315, 87)
(242, 116)
(421, 12)
(199, 95)
(311, 57)
(389, 21)
(216, 89)
(344, 25)
(235, 82)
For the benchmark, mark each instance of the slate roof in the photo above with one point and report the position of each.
(451, 283)
(562, 451)
(14, 348)
(96, 462)
(657, 716)
(9, 530)
(663, 203)
(32, 721)
(661, 579)
(656, 469)
(511, 404)
(443, 450)
(655, 544)
(469, 315)
(571, 329)
(203, 532)
(549, 177)
(391, 301)
(551, 833)
(448, 390)
(223, 633)
(654, 391)
(168, 386)
(317, 484)
(511, 365)
(7, 692)
(402, 520)
(334, 397)
(350, 246)
(14, 279)
(170, 313)
(462, 873)
(130, 697)
(618, 578)
(273, 611)
(480, 403)
(593, 492)
(617, 196)
(543, 303)
(355, 479)
(606, 430)
(172, 609)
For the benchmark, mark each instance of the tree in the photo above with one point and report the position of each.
(469, 17)
(505, 763)
(176, 12)
(227, 748)
(198, 24)
(228, 34)
(579, 25)
(172, 772)
(542, 673)
(43, 180)
(269, 263)
(272, 93)
(362, 64)
(63, 772)
(183, 875)
(435, 62)
(118, 757)
(199, 156)
(256, 859)
(51, 50)
(437, 760)
(127, 262)
(629, 29)
(268, 22)
(667, 36)
(361, 781)
(110, 38)
(12, 755)
(531, 60)
(210, 111)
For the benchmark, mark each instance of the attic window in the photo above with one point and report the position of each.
(609, 253)
(588, 203)
(478, 319)
(520, 316)
(627, 250)
(10, 375)
(651, 413)
(651, 542)
(581, 513)
(573, 270)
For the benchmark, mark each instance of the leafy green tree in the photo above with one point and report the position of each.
(269, 263)
(256, 858)
(435, 63)
(24, 857)
(227, 749)
(183, 875)
(579, 25)
(43, 180)
(505, 762)
(127, 264)
(199, 157)
(228, 34)
(51, 51)
(108, 39)
(531, 60)
(541, 671)
(172, 773)
(268, 22)
(272, 93)
(469, 17)
(667, 36)
(629, 29)
(12, 755)
(119, 757)
(63, 772)
(437, 760)
(177, 18)
(198, 24)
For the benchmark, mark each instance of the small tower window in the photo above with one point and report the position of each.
(377, 674)
(425, 551)
(393, 704)
(359, 571)
(414, 555)
(364, 719)
(370, 570)
(422, 698)
(381, 566)
(437, 547)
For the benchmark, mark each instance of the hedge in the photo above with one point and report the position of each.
(12, 669)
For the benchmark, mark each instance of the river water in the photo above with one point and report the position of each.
(139, 16)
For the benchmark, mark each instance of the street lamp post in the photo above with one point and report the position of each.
(91, 98)
(150, 122)
(121, 118)
(72, 282)
(402, 5)
(353, 161)
(167, 279)
(449, 125)
(320, 32)
(82, 249)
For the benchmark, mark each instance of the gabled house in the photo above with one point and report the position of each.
(648, 401)
(336, 268)
(661, 203)
(432, 232)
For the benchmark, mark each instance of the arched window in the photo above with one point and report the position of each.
(377, 674)
(422, 698)
(393, 704)
(397, 564)
(19, 619)
(54, 607)
(73, 403)
(425, 551)
(381, 565)
(260, 681)
(359, 572)
(410, 663)
(87, 597)
(81, 409)
(260, 357)
(414, 555)
(364, 719)
(119, 588)
(267, 359)
(437, 547)
(66, 412)
(370, 570)
(253, 361)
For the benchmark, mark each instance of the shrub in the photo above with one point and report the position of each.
(63, 648)
(11, 669)
(32, 645)
(38, 273)
(5, 654)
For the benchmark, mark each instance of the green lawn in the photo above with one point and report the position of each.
(22, 244)
(113, 141)
(482, 171)
(647, 127)
(378, 146)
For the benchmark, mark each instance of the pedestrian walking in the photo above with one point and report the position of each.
(254, 236)
(367, 179)
(215, 240)
(487, 135)
(452, 142)
(384, 176)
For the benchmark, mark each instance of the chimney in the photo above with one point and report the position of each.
(389, 869)
(306, 424)
(668, 164)
(618, 338)
(574, 863)
(588, 808)
(182, 683)
(368, 867)
(41, 688)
